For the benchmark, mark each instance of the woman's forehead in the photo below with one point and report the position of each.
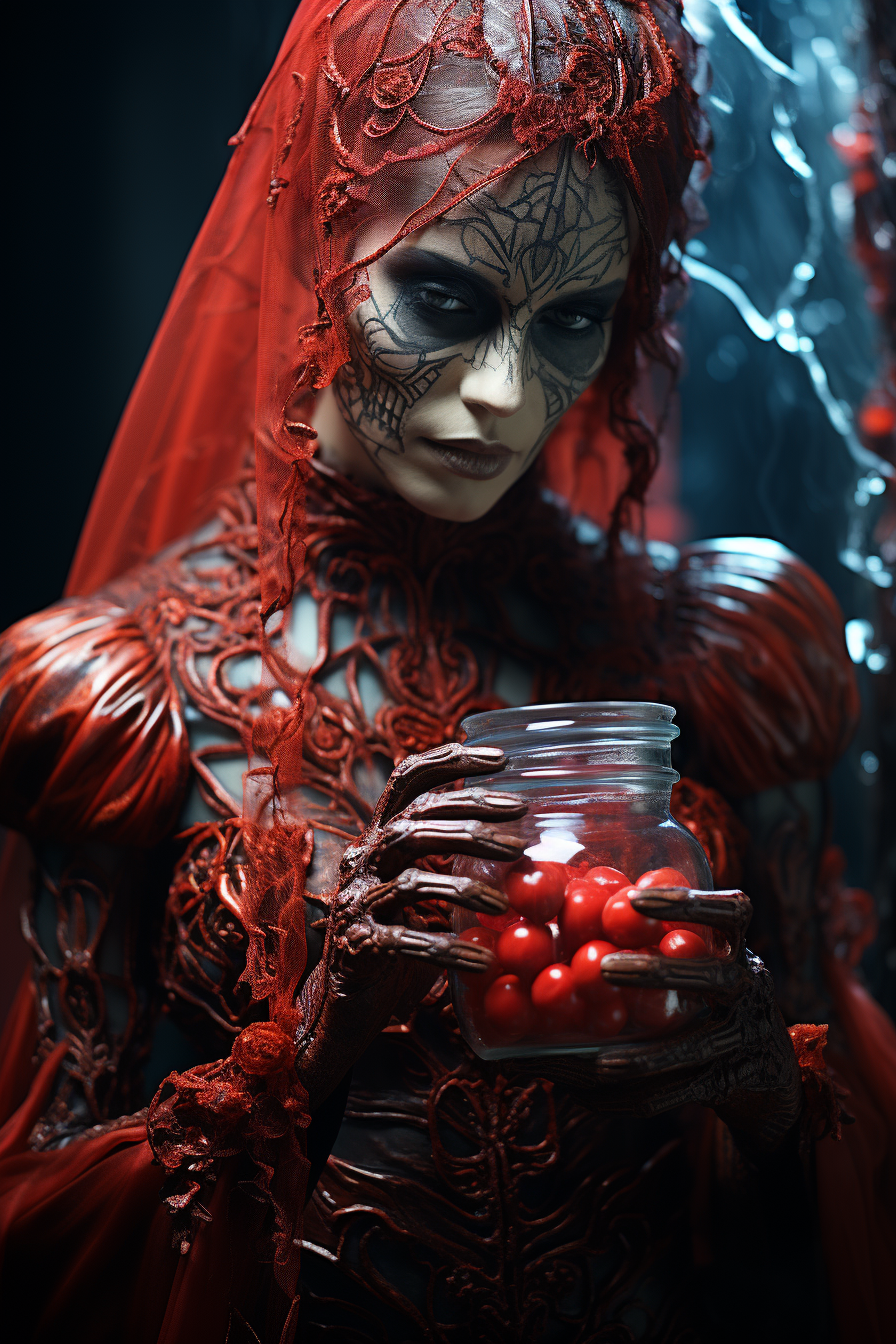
(552, 221)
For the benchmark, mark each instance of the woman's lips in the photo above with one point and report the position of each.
(472, 458)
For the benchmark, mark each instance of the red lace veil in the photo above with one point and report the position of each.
(372, 102)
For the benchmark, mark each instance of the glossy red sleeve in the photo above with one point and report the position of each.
(757, 649)
(92, 738)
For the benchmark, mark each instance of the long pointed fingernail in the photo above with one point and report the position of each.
(509, 801)
(649, 900)
(487, 753)
(492, 902)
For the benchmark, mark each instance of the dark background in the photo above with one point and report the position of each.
(116, 139)
(118, 119)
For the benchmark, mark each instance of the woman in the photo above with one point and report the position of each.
(434, 282)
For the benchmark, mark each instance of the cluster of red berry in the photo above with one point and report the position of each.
(546, 979)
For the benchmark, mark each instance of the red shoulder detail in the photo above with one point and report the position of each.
(757, 661)
(92, 740)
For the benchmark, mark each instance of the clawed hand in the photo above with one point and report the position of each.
(375, 888)
(373, 954)
(738, 1059)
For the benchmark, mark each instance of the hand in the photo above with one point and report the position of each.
(376, 952)
(739, 1059)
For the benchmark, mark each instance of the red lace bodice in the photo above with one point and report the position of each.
(741, 636)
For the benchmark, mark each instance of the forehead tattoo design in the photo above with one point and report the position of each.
(561, 233)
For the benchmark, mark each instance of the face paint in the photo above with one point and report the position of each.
(480, 331)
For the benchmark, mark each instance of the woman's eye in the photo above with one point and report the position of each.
(442, 302)
(571, 320)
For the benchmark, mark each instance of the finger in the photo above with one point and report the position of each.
(678, 1054)
(722, 980)
(429, 769)
(415, 884)
(484, 804)
(403, 840)
(730, 911)
(442, 949)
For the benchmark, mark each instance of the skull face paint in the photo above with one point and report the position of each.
(480, 331)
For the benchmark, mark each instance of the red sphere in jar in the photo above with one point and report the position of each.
(479, 981)
(585, 966)
(507, 1008)
(581, 918)
(555, 1000)
(658, 1010)
(662, 877)
(535, 890)
(683, 943)
(625, 926)
(609, 878)
(524, 949)
(607, 1017)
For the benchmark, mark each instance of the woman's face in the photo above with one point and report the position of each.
(480, 331)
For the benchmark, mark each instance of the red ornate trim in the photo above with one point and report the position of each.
(822, 1112)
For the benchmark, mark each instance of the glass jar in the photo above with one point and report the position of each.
(598, 781)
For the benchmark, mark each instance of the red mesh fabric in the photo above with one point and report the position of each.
(253, 1102)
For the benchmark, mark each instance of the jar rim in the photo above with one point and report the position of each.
(569, 714)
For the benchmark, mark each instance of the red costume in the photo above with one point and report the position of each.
(461, 1199)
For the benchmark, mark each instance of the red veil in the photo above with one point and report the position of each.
(372, 102)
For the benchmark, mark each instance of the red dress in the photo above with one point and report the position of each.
(458, 1201)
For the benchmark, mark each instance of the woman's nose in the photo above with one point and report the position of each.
(495, 382)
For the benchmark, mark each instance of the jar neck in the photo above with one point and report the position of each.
(607, 745)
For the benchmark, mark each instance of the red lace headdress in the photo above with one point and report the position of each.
(371, 103)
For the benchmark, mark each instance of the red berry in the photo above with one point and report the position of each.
(580, 919)
(535, 890)
(507, 1008)
(524, 949)
(585, 966)
(623, 924)
(555, 1001)
(479, 981)
(659, 1010)
(611, 878)
(608, 1017)
(683, 943)
(662, 877)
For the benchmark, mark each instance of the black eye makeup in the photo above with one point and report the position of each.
(572, 337)
(437, 303)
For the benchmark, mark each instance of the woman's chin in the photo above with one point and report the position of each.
(443, 495)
